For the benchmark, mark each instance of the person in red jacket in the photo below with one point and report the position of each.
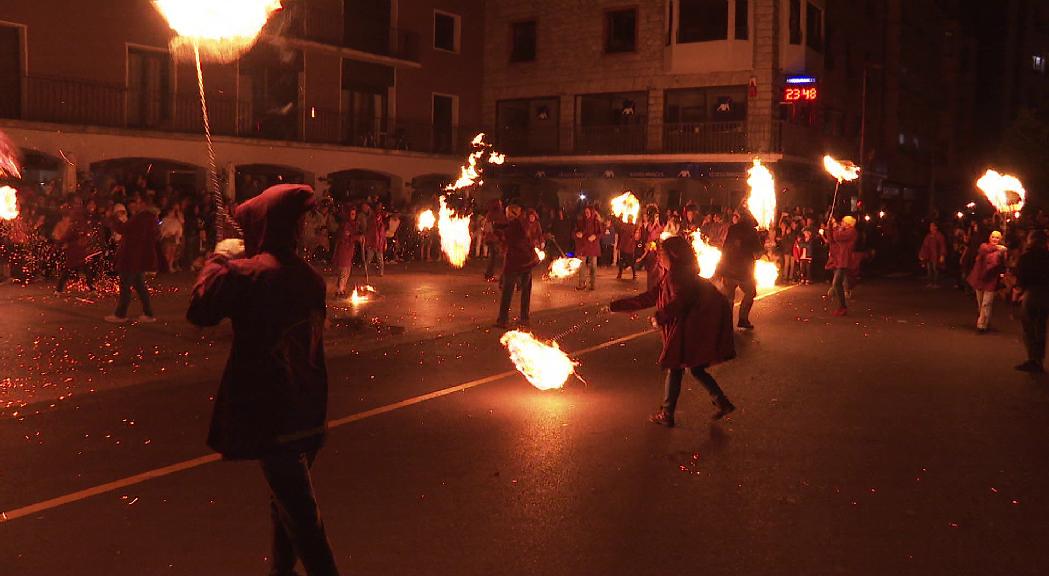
(695, 320)
(271, 405)
(986, 276)
(136, 255)
(520, 257)
(842, 240)
(627, 236)
(933, 254)
(588, 232)
(349, 236)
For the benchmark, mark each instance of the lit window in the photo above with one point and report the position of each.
(446, 31)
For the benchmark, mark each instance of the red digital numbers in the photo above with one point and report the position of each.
(800, 94)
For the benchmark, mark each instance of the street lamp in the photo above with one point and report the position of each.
(867, 67)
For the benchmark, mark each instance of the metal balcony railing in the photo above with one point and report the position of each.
(705, 137)
(617, 139)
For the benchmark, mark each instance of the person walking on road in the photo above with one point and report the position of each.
(933, 255)
(75, 242)
(627, 235)
(136, 255)
(742, 248)
(841, 241)
(349, 236)
(985, 277)
(588, 231)
(519, 245)
(1032, 278)
(695, 320)
(271, 405)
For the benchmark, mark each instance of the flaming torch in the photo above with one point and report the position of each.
(425, 220)
(707, 255)
(1006, 193)
(565, 267)
(453, 228)
(762, 199)
(626, 207)
(222, 31)
(8, 203)
(542, 364)
(8, 158)
(765, 274)
(361, 295)
(842, 171)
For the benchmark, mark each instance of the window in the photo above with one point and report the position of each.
(446, 31)
(814, 27)
(522, 41)
(695, 105)
(621, 31)
(742, 20)
(702, 21)
(795, 21)
(1038, 63)
(528, 126)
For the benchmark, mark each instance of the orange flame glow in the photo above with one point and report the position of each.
(762, 199)
(222, 29)
(542, 364)
(361, 295)
(540, 254)
(565, 267)
(8, 203)
(843, 171)
(707, 256)
(455, 234)
(1006, 193)
(425, 220)
(8, 158)
(765, 274)
(470, 173)
(626, 207)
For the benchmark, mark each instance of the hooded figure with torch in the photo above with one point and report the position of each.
(738, 262)
(521, 257)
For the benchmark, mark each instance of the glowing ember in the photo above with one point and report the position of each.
(426, 220)
(762, 199)
(8, 203)
(843, 171)
(455, 235)
(1003, 191)
(540, 254)
(361, 295)
(766, 273)
(626, 207)
(8, 158)
(544, 365)
(707, 255)
(222, 30)
(565, 267)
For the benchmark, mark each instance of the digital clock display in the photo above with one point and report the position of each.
(800, 94)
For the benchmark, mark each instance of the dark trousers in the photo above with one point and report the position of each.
(86, 269)
(494, 255)
(1035, 314)
(626, 261)
(750, 290)
(298, 532)
(673, 386)
(522, 281)
(136, 280)
(838, 285)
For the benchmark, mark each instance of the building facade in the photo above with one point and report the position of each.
(360, 96)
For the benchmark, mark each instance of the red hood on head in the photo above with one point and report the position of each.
(270, 220)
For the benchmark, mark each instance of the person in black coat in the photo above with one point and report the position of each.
(1032, 279)
(272, 403)
(736, 268)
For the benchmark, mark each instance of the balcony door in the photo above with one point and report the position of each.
(444, 118)
(149, 87)
(10, 72)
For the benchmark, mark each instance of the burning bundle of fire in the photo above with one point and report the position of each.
(707, 255)
(841, 170)
(453, 227)
(565, 267)
(1006, 193)
(8, 203)
(542, 364)
(425, 220)
(765, 274)
(762, 199)
(626, 207)
(361, 295)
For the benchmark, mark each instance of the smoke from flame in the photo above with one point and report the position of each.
(544, 365)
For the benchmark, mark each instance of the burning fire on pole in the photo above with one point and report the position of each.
(707, 255)
(565, 267)
(765, 274)
(1006, 193)
(8, 203)
(454, 228)
(544, 365)
(762, 199)
(626, 207)
(841, 170)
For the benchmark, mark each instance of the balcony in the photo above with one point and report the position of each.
(705, 137)
(75, 102)
(392, 42)
(618, 139)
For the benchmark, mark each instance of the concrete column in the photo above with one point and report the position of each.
(567, 121)
(655, 121)
(760, 109)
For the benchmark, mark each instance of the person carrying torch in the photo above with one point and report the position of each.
(986, 276)
(742, 248)
(841, 240)
(521, 257)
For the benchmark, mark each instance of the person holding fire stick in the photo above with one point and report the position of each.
(520, 249)
(986, 276)
(695, 320)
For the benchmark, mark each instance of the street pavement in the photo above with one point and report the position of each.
(891, 441)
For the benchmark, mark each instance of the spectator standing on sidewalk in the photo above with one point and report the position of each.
(695, 321)
(271, 405)
(986, 276)
(742, 248)
(1032, 277)
(519, 246)
(136, 255)
(933, 255)
(588, 247)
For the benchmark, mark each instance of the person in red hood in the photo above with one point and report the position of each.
(986, 277)
(696, 323)
(842, 240)
(272, 403)
(520, 259)
(933, 254)
(588, 231)
(136, 255)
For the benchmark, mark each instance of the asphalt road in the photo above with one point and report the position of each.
(892, 441)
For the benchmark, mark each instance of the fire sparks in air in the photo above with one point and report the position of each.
(707, 255)
(8, 158)
(565, 267)
(626, 207)
(470, 173)
(762, 199)
(544, 365)
(843, 170)
(8, 203)
(1003, 191)
(426, 220)
(220, 29)
(765, 274)
(455, 234)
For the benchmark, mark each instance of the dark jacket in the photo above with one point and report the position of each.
(274, 391)
(519, 247)
(695, 318)
(76, 241)
(741, 249)
(1032, 269)
(137, 251)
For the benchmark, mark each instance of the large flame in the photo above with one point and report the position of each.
(1005, 192)
(8, 158)
(425, 220)
(455, 234)
(707, 255)
(544, 365)
(843, 171)
(470, 173)
(222, 29)
(762, 199)
(8, 203)
(565, 267)
(765, 274)
(626, 207)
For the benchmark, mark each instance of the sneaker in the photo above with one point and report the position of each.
(114, 319)
(745, 325)
(663, 418)
(1031, 366)
(724, 408)
(840, 312)
(143, 319)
